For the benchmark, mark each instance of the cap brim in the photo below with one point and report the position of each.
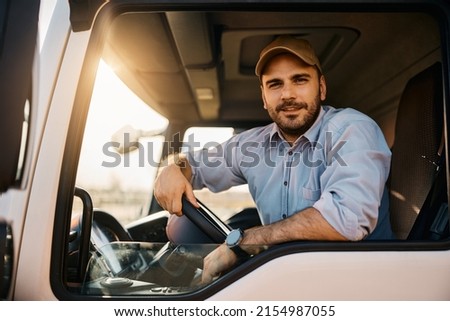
(269, 54)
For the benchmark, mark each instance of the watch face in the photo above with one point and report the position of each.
(234, 237)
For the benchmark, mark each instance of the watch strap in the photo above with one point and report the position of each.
(240, 253)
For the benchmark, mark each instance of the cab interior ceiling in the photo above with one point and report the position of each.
(199, 66)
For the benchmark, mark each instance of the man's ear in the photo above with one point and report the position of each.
(323, 88)
(263, 97)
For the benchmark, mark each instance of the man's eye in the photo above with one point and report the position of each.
(300, 80)
(274, 85)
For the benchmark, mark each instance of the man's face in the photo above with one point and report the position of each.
(292, 93)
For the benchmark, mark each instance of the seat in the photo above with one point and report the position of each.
(417, 148)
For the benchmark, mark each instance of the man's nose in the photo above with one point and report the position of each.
(287, 92)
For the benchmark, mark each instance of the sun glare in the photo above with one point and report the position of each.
(113, 106)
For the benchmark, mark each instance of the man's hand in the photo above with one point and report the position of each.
(219, 260)
(172, 182)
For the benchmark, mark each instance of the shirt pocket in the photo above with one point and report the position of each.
(310, 196)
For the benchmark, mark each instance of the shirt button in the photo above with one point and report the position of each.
(284, 216)
(285, 183)
(290, 153)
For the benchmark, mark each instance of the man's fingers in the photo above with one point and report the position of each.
(216, 262)
(170, 186)
(176, 206)
(206, 277)
(189, 194)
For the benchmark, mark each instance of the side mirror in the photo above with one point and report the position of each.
(126, 139)
(6, 258)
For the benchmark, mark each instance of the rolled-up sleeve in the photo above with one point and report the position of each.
(353, 182)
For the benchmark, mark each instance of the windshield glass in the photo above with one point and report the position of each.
(155, 268)
(120, 178)
(227, 203)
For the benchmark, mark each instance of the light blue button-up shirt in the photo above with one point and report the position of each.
(339, 167)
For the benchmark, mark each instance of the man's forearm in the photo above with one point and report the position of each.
(309, 224)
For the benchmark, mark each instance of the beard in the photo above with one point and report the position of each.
(296, 125)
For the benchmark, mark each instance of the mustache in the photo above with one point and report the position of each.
(291, 104)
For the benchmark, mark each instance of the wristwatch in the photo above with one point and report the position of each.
(233, 240)
(180, 161)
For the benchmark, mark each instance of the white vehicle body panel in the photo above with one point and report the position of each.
(347, 276)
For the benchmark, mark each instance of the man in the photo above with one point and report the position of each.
(316, 173)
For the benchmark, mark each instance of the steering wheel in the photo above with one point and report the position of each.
(206, 220)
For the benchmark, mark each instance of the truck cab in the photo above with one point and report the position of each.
(97, 94)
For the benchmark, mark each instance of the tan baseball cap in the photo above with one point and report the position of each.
(299, 47)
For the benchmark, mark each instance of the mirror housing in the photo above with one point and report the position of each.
(126, 139)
